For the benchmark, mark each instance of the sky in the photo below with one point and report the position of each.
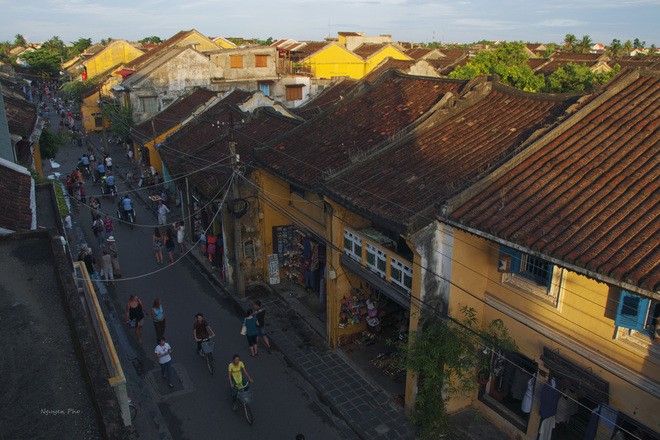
(442, 21)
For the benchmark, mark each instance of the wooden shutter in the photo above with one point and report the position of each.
(632, 311)
(509, 260)
(294, 93)
(236, 61)
(261, 60)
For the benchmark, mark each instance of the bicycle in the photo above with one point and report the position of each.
(244, 398)
(132, 409)
(207, 350)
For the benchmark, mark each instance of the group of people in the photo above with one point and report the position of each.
(237, 375)
(168, 238)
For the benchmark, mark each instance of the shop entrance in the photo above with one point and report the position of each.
(302, 263)
(373, 319)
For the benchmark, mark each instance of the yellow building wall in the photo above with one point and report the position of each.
(199, 42)
(280, 208)
(580, 317)
(224, 43)
(377, 58)
(118, 52)
(335, 61)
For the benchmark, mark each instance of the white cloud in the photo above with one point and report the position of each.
(561, 22)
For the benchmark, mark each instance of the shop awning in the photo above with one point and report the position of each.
(393, 292)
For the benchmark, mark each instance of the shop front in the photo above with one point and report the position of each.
(374, 307)
(301, 258)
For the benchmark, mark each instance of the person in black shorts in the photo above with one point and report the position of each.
(260, 312)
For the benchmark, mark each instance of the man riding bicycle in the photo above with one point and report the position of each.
(100, 171)
(201, 330)
(126, 205)
(238, 378)
(109, 183)
(84, 160)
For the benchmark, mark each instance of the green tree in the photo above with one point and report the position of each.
(120, 117)
(106, 41)
(508, 61)
(569, 42)
(79, 46)
(56, 45)
(576, 78)
(639, 44)
(628, 47)
(550, 48)
(446, 356)
(584, 45)
(151, 40)
(615, 48)
(5, 47)
(43, 62)
(19, 40)
(50, 143)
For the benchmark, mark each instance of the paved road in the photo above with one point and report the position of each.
(199, 406)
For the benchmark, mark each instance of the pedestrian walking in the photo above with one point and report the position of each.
(90, 262)
(135, 316)
(163, 210)
(169, 245)
(108, 162)
(158, 316)
(157, 245)
(108, 225)
(98, 230)
(69, 185)
(83, 193)
(112, 250)
(163, 353)
(252, 331)
(260, 313)
(106, 264)
(180, 234)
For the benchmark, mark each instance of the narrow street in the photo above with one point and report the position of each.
(198, 407)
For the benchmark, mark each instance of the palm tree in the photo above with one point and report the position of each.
(616, 48)
(584, 45)
(569, 41)
(19, 40)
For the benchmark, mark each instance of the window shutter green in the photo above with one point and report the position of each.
(632, 310)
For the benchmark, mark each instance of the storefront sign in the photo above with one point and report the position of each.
(273, 269)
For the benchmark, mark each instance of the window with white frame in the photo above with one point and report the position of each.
(376, 260)
(530, 274)
(401, 274)
(353, 245)
(637, 319)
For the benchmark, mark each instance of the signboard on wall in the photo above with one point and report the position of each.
(273, 269)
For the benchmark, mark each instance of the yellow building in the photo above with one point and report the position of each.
(374, 54)
(115, 53)
(148, 135)
(328, 60)
(559, 244)
(224, 43)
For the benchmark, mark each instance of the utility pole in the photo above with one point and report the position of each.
(105, 133)
(238, 241)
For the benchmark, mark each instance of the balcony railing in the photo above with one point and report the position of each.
(373, 254)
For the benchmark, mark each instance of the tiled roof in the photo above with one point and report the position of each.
(387, 64)
(652, 62)
(349, 34)
(311, 48)
(535, 63)
(553, 64)
(155, 52)
(417, 53)
(172, 116)
(15, 198)
(21, 116)
(355, 126)
(327, 98)
(460, 144)
(367, 50)
(568, 56)
(589, 196)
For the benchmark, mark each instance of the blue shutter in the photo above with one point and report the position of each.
(513, 254)
(632, 311)
(264, 88)
(549, 276)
